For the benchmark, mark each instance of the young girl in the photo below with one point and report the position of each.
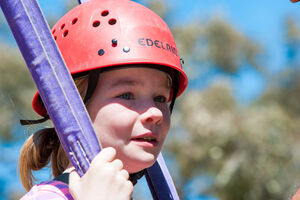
(125, 64)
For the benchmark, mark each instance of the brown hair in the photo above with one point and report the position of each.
(43, 147)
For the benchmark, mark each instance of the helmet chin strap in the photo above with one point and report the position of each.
(93, 77)
(25, 122)
(175, 88)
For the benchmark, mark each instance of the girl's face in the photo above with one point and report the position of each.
(129, 111)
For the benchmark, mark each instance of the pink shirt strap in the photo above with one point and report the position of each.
(49, 190)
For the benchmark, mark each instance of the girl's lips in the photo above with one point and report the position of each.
(145, 143)
(146, 140)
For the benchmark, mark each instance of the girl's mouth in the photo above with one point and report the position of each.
(146, 140)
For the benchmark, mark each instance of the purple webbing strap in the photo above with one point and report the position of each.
(53, 81)
(160, 181)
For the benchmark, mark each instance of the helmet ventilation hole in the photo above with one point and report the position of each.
(66, 33)
(96, 23)
(74, 20)
(182, 61)
(62, 26)
(53, 31)
(55, 37)
(112, 21)
(100, 52)
(104, 13)
(114, 42)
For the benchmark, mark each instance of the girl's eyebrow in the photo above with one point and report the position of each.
(126, 82)
(131, 82)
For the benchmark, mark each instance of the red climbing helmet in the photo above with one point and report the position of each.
(108, 33)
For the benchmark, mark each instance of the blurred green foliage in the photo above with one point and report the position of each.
(16, 89)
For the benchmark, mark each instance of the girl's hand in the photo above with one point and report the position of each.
(105, 179)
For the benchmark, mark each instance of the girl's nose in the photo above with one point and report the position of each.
(152, 115)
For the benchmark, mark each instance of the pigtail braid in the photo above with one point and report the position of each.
(36, 153)
(59, 161)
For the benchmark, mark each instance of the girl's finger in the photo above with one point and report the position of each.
(124, 174)
(74, 182)
(118, 164)
(74, 176)
(106, 155)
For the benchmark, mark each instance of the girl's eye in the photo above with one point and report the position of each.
(160, 99)
(126, 96)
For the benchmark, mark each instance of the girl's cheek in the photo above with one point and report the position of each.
(166, 111)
